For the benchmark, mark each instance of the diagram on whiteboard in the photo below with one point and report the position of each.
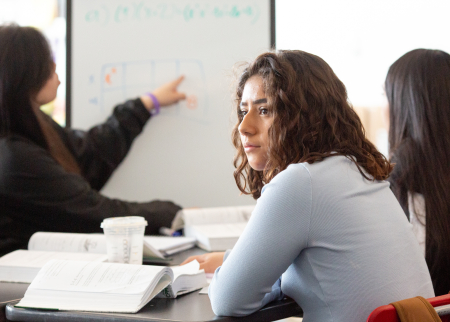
(121, 81)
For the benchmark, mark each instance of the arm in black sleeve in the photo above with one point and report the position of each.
(39, 195)
(101, 149)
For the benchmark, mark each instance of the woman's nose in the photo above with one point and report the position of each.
(247, 126)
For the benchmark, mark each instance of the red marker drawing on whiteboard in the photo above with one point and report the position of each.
(108, 76)
(192, 102)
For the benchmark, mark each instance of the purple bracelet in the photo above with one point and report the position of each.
(156, 105)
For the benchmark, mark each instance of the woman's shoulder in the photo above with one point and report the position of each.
(336, 167)
(295, 179)
(294, 172)
(330, 176)
(326, 167)
(305, 171)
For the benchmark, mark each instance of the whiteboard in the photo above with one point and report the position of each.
(120, 49)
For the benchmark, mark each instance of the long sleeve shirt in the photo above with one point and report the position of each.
(37, 194)
(338, 244)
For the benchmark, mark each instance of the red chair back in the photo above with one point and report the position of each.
(387, 313)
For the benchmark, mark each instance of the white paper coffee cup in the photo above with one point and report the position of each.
(124, 239)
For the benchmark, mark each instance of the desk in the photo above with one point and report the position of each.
(190, 307)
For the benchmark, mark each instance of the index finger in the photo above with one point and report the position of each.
(178, 81)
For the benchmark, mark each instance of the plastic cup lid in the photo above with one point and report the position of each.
(118, 222)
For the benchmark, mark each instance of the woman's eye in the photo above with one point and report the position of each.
(264, 111)
(242, 112)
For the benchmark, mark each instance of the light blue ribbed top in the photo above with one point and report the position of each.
(341, 244)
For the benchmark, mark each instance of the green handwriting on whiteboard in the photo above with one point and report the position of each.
(142, 11)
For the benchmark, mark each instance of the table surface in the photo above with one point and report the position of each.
(190, 307)
(10, 292)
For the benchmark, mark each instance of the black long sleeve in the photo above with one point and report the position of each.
(37, 194)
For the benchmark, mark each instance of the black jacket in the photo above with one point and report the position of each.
(37, 194)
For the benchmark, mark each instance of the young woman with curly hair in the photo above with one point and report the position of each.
(418, 91)
(327, 231)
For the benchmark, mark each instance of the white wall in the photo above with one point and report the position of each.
(360, 39)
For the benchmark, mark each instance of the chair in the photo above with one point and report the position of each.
(387, 313)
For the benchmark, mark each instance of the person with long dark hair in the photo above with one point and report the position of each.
(326, 231)
(49, 175)
(418, 92)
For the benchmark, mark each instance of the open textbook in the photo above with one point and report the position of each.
(215, 229)
(22, 266)
(107, 287)
(154, 246)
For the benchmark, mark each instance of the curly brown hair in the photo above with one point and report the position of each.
(312, 120)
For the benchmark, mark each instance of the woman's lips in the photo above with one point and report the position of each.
(250, 147)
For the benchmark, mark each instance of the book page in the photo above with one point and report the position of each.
(97, 277)
(151, 252)
(68, 242)
(190, 268)
(229, 230)
(164, 243)
(35, 258)
(217, 215)
(187, 278)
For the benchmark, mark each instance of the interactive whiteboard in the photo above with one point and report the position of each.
(120, 49)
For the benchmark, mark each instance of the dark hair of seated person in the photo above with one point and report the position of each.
(418, 91)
